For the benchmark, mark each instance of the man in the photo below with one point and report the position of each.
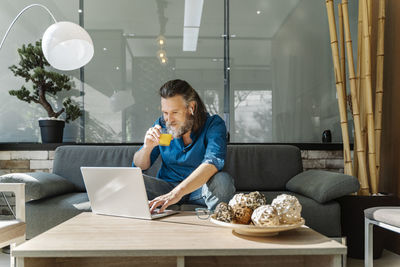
(191, 164)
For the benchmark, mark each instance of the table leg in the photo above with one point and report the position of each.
(337, 261)
(180, 261)
(19, 262)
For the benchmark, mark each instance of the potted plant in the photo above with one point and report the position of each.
(33, 67)
(365, 163)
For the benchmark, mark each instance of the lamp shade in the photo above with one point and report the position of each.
(67, 46)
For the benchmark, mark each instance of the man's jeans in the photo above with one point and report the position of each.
(219, 188)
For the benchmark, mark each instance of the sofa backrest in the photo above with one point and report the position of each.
(262, 167)
(69, 159)
(253, 167)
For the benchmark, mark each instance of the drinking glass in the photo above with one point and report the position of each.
(165, 137)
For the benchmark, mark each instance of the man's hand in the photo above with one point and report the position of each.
(164, 201)
(195, 180)
(152, 136)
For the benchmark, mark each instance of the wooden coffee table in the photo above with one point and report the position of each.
(178, 240)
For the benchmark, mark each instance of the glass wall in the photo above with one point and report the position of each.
(126, 72)
(281, 77)
(18, 119)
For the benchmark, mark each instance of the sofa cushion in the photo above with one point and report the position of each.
(388, 215)
(262, 167)
(323, 186)
(43, 214)
(39, 184)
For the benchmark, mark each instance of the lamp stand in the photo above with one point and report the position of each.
(19, 14)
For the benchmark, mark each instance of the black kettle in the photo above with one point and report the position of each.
(327, 136)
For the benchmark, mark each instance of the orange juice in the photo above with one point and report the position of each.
(165, 139)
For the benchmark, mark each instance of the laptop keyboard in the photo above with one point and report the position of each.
(162, 214)
(156, 212)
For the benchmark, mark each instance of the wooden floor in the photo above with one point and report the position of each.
(388, 259)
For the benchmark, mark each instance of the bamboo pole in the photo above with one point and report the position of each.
(342, 50)
(362, 86)
(369, 8)
(343, 65)
(359, 48)
(339, 86)
(358, 80)
(380, 54)
(355, 157)
(368, 97)
(363, 178)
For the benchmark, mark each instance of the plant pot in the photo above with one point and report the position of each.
(352, 221)
(51, 131)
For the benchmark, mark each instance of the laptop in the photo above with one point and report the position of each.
(118, 191)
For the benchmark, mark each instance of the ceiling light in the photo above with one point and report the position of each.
(128, 34)
(161, 40)
(192, 19)
(258, 12)
(164, 61)
(190, 36)
(161, 53)
(193, 10)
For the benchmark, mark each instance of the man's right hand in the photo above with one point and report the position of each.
(152, 137)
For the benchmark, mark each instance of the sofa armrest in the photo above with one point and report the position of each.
(39, 185)
(323, 186)
(19, 191)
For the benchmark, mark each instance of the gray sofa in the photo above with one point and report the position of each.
(270, 169)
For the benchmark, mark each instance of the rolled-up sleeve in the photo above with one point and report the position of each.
(153, 155)
(215, 142)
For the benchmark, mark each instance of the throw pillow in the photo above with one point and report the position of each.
(39, 184)
(323, 186)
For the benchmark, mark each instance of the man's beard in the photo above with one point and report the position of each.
(186, 127)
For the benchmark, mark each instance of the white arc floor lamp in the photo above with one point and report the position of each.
(65, 45)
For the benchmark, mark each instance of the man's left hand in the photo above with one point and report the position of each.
(164, 201)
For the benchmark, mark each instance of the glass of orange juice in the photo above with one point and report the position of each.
(165, 137)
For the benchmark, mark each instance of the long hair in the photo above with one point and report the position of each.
(183, 88)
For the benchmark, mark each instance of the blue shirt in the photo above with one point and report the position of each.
(179, 161)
